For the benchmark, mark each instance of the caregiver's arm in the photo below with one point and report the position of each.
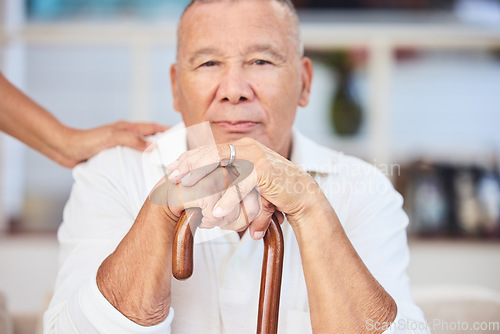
(27, 121)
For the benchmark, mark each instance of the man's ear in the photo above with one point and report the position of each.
(175, 88)
(307, 75)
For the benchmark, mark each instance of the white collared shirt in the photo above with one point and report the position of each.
(222, 295)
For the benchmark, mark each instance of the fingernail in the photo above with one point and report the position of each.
(186, 178)
(217, 212)
(258, 235)
(173, 174)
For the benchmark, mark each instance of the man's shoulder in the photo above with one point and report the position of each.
(312, 156)
(111, 160)
(140, 169)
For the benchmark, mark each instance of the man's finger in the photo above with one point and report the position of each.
(195, 175)
(191, 160)
(198, 157)
(235, 195)
(249, 209)
(260, 224)
(209, 221)
(280, 216)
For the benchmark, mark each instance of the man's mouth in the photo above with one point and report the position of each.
(236, 126)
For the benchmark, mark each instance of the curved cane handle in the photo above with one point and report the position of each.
(272, 265)
(182, 248)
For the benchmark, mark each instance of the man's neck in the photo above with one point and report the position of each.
(286, 149)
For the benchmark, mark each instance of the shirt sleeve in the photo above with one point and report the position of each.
(374, 221)
(104, 201)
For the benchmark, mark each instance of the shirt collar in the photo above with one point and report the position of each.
(311, 156)
(169, 145)
(166, 148)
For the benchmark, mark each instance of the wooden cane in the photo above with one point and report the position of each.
(182, 248)
(272, 265)
(270, 280)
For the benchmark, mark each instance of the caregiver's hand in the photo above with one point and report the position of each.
(80, 145)
(281, 185)
(24, 119)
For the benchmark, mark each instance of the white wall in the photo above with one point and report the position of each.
(28, 267)
(438, 262)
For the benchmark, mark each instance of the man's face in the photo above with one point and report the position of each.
(239, 68)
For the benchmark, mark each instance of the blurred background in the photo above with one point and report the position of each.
(410, 86)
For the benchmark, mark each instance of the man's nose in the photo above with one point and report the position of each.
(234, 87)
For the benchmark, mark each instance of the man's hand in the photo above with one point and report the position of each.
(275, 184)
(339, 305)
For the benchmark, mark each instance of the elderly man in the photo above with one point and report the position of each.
(240, 67)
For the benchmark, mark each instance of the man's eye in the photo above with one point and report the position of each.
(261, 62)
(209, 64)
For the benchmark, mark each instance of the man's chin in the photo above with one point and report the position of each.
(233, 136)
(224, 135)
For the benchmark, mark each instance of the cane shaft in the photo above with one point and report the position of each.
(270, 284)
(272, 265)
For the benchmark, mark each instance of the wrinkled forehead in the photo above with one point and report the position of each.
(213, 17)
(284, 4)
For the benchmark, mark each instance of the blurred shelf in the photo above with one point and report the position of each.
(414, 239)
(327, 29)
(320, 30)
(94, 33)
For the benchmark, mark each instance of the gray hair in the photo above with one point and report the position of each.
(287, 3)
